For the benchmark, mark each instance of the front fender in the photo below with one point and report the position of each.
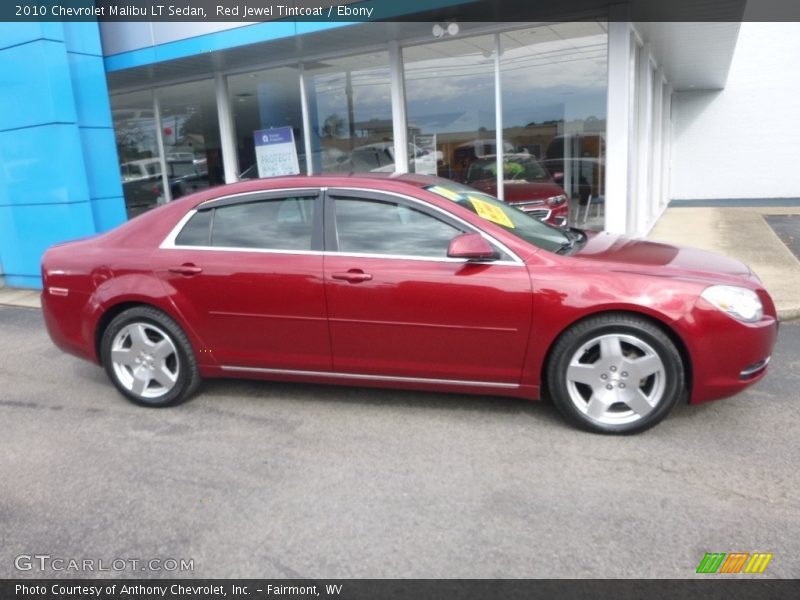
(561, 299)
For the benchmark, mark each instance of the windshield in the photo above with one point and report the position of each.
(508, 217)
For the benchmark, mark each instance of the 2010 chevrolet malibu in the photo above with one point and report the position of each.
(405, 281)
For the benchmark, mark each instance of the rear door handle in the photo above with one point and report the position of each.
(186, 269)
(353, 276)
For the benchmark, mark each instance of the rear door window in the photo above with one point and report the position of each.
(281, 223)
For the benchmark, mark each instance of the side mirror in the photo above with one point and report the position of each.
(471, 246)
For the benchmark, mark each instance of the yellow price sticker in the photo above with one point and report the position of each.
(490, 212)
(449, 194)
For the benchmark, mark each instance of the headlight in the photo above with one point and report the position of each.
(740, 303)
(557, 200)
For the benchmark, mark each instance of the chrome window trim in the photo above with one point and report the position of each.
(442, 259)
(169, 241)
(266, 193)
(170, 245)
(389, 378)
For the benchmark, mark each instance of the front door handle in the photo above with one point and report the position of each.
(186, 269)
(352, 276)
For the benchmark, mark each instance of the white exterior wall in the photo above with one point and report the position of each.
(743, 141)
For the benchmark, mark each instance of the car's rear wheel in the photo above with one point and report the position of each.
(615, 373)
(149, 358)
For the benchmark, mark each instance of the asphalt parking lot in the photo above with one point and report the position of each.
(254, 479)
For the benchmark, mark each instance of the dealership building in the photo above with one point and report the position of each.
(102, 121)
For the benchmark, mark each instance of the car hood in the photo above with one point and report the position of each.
(657, 258)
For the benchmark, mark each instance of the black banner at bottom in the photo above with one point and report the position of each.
(704, 587)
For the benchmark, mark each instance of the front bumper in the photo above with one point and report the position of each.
(726, 355)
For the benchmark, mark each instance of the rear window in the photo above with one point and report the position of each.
(271, 224)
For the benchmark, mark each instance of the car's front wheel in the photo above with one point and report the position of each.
(615, 373)
(149, 358)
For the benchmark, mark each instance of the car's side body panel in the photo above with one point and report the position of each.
(254, 308)
(429, 319)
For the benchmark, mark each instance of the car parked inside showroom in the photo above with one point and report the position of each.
(526, 185)
(405, 281)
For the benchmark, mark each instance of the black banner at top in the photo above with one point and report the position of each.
(396, 10)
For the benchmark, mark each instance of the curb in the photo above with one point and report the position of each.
(789, 314)
(20, 297)
(20, 305)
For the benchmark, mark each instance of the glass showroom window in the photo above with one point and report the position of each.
(350, 109)
(265, 100)
(450, 105)
(190, 130)
(554, 84)
(137, 147)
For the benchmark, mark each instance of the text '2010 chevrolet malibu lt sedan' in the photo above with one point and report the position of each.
(405, 281)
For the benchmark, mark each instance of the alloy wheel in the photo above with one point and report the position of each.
(615, 379)
(145, 360)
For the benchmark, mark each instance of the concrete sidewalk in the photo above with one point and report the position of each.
(740, 232)
(19, 297)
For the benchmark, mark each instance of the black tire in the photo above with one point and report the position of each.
(615, 373)
(148, 358)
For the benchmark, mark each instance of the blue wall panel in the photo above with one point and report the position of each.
(90, 90)
(88, 75)
(108, 212)
(83, 38)
(42, 165)
(100, 159)
(59, 175)
(27, 231)
(35, 80)
(13, 34)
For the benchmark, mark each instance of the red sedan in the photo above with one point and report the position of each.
(405, 281)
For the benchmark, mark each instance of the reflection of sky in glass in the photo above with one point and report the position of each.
(450, 85)
(283, 224)
(370, 227)
(369, 82)
(562, 79)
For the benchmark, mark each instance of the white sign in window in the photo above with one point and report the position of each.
(276, 153)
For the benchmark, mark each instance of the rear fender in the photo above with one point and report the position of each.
(138, 289)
